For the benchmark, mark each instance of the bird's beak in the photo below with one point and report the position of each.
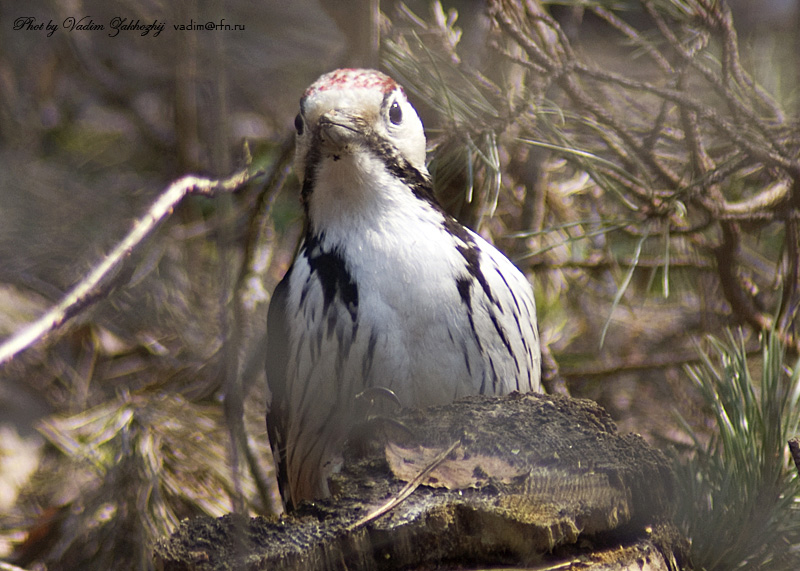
(338, 130)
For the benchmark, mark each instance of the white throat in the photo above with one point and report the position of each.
(355, 193)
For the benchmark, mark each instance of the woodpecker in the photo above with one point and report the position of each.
(387, 291)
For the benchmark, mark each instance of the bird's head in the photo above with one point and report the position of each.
(351, 120)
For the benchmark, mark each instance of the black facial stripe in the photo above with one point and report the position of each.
(396, 164)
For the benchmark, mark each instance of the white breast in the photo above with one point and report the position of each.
(414, 331)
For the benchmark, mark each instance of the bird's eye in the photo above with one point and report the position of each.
(298, 124)
(395, 113)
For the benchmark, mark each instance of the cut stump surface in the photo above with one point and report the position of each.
(523, 480)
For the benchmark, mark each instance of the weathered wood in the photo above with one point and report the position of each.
(520, 480)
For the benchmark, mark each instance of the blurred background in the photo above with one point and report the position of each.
(648, 215)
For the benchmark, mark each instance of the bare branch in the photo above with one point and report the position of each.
(768, 199)
(753, 147)
(605, 263)
(650, 362)
(728, 263)
(725, 91)
(98, 282)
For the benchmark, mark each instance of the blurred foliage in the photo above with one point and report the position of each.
(134, 467)
(633, 164)
(631, 159)
(689, 161)
(739, 494)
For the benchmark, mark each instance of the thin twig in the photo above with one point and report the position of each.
(606, 263)
(99, 280)
(713, 78)
(790, 299)
(756, 147)
(651, 362)
(568, 82)
(253, 265)
(407, 490)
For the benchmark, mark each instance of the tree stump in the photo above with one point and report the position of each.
(525, 480)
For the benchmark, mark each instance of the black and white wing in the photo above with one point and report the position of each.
(312, 324)
(276, 367)
(504, 308)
